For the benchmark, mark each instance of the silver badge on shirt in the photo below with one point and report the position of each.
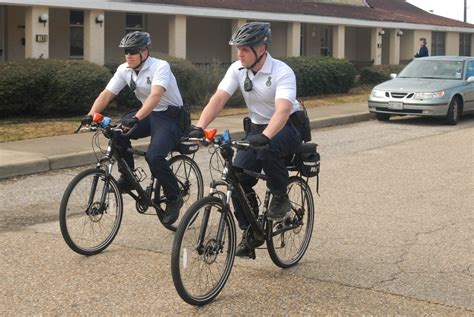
(269, 81)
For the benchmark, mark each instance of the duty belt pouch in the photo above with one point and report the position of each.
(300, 120)
(173, 112)
(247, 125)
(184, 120)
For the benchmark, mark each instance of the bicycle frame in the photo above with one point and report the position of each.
(108, 160)
(229, 180)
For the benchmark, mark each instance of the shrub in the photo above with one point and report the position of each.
(321, 75)
(377, 74)
(52, 87)
(209, 77)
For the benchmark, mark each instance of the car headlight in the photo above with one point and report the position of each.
(378, 93)
(428, 95)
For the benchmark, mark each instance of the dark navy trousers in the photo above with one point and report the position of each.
(165, 134)
(271, 161)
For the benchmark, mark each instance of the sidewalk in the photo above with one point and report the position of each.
(50, 153)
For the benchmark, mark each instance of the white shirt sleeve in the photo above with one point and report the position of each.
(230, 82)
(117, 82)
(286, 86)
(162, 75)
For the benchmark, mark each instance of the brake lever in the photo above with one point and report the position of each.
(129, 131)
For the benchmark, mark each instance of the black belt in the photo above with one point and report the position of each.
(254, 126)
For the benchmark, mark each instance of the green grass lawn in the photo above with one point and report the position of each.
(30, 128)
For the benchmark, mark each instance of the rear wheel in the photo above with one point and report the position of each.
(201, 258)
(90, 212)
(382, 116)
(290, 237)
(454, 112)
(190, 183)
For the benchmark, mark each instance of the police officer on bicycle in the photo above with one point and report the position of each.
(155, 86)
(269, 89)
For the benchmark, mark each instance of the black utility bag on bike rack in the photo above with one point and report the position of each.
(307, 159)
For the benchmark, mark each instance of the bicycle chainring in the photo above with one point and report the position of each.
(251, 240)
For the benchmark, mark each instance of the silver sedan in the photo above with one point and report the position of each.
(441, 86)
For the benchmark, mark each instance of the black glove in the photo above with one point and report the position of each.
(130, 122)
(86, 120)
(196, 132)
(257, 140)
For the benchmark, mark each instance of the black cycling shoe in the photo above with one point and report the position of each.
(243, 250)
(279, 207)
(124, 185)
(172, 211)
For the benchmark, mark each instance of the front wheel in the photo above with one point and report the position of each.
(190, 183)
(203, 251)
(90, 212)
(452, 118)
(290, 237)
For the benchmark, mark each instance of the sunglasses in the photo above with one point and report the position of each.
(131, 51)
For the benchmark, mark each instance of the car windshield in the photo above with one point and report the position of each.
(433, 69)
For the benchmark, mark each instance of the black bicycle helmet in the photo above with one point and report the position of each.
(137, 39)
(252, 34)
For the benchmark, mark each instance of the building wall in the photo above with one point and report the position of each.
(58, 33)
(207, 40)
(311, 40)
(407, 47)
(114, 24)
(279, 39)
(358, 44)
(386, 46)
(158, 27)
(15, 35)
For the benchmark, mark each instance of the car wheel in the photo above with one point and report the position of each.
(454, 110)
(382, 116)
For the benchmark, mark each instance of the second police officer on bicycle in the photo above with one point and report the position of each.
(269, 90)
(155, 86)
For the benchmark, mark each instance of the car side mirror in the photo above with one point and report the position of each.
(393, 76)
(470, 79)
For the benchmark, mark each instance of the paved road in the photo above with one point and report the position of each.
(393, 234)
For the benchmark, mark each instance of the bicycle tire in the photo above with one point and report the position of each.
(185, 252)
(287, 248)
(91, 220)
(189, 193)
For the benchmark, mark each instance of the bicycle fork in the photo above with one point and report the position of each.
(213, 246)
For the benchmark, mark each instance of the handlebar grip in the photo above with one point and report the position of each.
(129, 131)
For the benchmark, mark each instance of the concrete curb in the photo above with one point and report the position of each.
(54, 162)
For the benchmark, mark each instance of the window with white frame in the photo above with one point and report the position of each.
(465, 44)
(438, 43)
(76, 34)
(133, 22)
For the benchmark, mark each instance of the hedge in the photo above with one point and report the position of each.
(65, 87)
(52, 87)
(321, 75)
(378, 74)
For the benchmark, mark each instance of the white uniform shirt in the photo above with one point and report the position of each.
(275, 80)
(154, 72)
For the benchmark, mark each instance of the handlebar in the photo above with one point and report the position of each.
(95, 126)
(219, 140)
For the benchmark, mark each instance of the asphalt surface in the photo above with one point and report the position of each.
(394, 233)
